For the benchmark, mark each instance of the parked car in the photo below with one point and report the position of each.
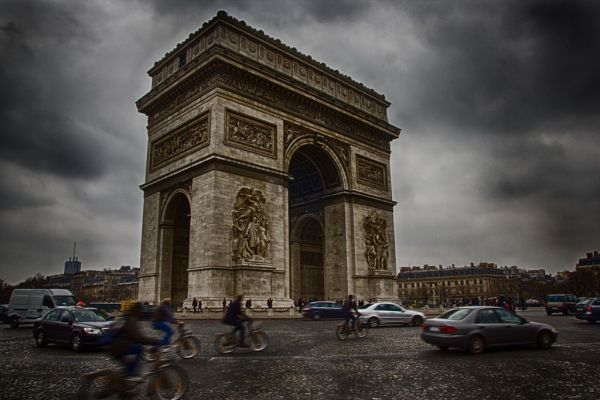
(588, 310)
(4, 313)
(562, 303)
(323, 309)
(389, 313)
(26, 305)
(73, 326)
(473, 329)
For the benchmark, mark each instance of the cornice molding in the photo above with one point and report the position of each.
(221, 74)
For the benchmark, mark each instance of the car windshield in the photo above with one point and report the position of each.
(68, 301)
(90, 316)
(456, 314)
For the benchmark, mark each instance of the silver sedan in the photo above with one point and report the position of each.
(389, 313)
(473, 329)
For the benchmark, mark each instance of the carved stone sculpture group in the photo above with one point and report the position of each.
(376, 242)
(250, 227)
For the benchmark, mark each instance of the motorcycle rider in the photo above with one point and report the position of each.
(236, 318)
(129, 340)
(162, 318)
(349, 306)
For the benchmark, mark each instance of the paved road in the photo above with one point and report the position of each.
(305, 361)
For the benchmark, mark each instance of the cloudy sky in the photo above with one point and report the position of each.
(498, 101)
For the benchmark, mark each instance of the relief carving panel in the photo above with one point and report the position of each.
(250, 134)
(188, 138)
(250, 230)
(376, 242)
(371, 173)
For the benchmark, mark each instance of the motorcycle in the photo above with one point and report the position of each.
(163, 379)
(256, 339)
(187, 345)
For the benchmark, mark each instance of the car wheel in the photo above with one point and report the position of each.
(40, 338)
(417, 321)
(316, 316)
(476, 345)
(14, 322)
(76, 343)
(373, 322)
(544, 340)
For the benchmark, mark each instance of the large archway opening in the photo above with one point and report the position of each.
(315, 176)
(312, 284)
(176, 248)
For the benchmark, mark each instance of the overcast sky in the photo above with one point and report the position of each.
(498, 101)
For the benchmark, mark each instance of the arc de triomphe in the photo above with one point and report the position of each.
(267, 174)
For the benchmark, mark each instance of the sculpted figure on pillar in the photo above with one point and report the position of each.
(376, 242)
(250, 234)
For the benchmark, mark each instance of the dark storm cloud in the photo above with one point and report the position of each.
(508, 68)
(38, 130)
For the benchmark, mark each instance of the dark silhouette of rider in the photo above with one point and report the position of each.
(129, 342)
(236, 317)
(349, 307)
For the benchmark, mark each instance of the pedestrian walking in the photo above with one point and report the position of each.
(194, 305)
(200, 305)
(224, 304)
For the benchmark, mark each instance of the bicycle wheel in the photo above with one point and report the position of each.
(188, 347)
(96, 385)
(223, 344)
(361, 330)
(169, 383)
(341, 332)
(257, 341)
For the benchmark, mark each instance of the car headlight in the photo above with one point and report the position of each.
(92, 331)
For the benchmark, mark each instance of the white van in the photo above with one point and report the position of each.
(26, 305)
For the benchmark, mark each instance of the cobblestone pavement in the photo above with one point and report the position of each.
(304, 360)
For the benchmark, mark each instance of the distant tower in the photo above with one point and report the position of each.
(73, 266)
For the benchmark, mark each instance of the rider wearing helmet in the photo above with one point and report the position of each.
(236, 317)
(349, 306)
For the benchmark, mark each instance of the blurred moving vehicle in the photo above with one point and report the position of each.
(475, 328)
(562, 303)
(26, 305)
(162, 378)
(388, 314)
(256, 339)
(76, 327)
(323, 309)
(4, 313)
(588, 310)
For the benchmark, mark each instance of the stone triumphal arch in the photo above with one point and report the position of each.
(267, 174)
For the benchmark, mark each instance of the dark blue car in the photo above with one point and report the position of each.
(76, 327)
(323, 309)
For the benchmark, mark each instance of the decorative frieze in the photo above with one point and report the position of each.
(184, 140)
(250, 230)
(265, 50)
(271, 95)
(250, 134)
(376, 242)
(371, 173)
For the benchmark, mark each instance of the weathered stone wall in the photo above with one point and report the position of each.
(148, 261)
(337, 257)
